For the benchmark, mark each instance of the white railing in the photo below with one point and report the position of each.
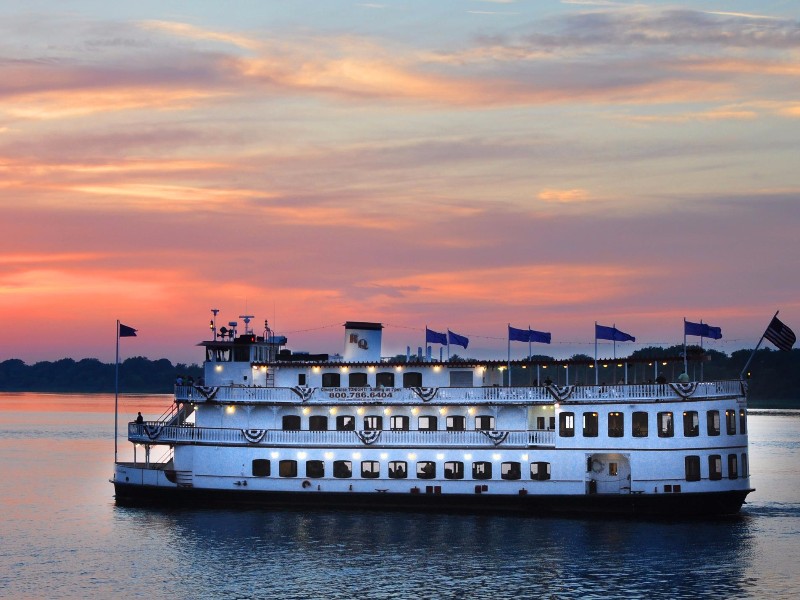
(447, 395)
(159, 433)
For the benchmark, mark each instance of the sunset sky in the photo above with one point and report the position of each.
(456, 163)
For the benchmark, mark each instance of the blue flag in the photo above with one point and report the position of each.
(434, 337)
(702, 330)
(602, 332)
(527, 335)
(457, 340)
(125, 331)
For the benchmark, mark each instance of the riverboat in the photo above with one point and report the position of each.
(270, 427)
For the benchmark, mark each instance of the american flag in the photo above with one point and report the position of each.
(780, 335)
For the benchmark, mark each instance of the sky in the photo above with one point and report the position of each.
(460, 164)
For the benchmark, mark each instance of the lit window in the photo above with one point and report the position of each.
(345, 423)
(373, 422)
(742, 421)
(730, 422)
(482, 470)
(342, 469)
(566, 424)
(399, 423)
(426, 469)
(456, 423)
(691, 423)
(733, 468)
(665, 425)
(427, 423)
(510, 470)
(712, 418)
(370, 469)
(540, 471)
(714, 467)
(398, 469)
(484, 423)
(454, 470)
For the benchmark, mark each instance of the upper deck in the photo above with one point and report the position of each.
(301, 394)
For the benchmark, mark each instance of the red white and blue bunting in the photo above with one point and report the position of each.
(254, 436)
(426, 394)
(684, 390)
(369, 436)
(208, 392)
(497, 437)
(152, 431)
(560, 393)
(303, 391)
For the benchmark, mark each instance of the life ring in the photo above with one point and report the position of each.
(306, 484)
(597, 466)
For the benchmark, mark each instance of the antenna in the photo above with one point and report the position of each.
(246, 319)
(233, 325)
(214, 322)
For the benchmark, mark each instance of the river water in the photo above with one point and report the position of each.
(61, 535)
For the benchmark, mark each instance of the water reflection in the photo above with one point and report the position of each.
(348, 554)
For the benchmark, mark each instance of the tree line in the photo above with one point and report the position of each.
(136, 375)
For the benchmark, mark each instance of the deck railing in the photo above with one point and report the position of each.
(154, 432)
(451, 395)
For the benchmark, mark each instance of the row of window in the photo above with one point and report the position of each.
(398, 469)
(396, 422)
(664, 423)
(715, 467)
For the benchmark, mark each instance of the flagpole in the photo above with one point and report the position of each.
(116, 395)
(596, 374)
(509, 355)
(758, 345)
(685, 362)
(530, 353)
(701, 356)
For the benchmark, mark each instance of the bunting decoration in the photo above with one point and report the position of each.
(426, 394)
(206, 391)
(368, 436)
(560, 393)
(684, 390)
(152, 431)
(497, 437)
(254, 436)
(303, 391)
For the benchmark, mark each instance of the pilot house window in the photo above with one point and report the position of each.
(412, 379)
(357, 380)
(330, 380)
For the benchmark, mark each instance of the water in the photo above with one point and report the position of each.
(61, 536)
